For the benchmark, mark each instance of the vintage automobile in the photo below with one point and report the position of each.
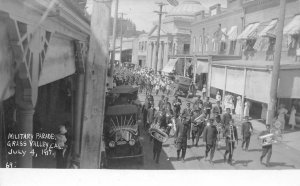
(121, 134)
(181, 85)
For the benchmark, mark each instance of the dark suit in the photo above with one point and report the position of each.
(231, 136)
(177, 106)
(181, 136)
(246, 133)
(210, 134)
(225, 119)
(197, 128)
(266, 150)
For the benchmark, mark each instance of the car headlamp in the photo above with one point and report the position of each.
(111, 144)
(132, 142)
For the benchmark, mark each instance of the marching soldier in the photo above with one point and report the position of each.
(231, 136)
(226, 117)
(266, 145)
(198, 104)
(181, 135)
(197, 126)
(177, 105)
(207, 106)
(210, 138)
(246, 130)
(188, 111)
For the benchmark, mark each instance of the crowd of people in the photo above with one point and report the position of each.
(199, 118)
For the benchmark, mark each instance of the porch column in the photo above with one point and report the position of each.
(209, 75)
(153, 55)
(244, 92)
(225, 82)
(25, 125)
(160, 53)
(166, 54)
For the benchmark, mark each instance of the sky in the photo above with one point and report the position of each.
(141, 11)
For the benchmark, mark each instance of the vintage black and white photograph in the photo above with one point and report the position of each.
(150, 84)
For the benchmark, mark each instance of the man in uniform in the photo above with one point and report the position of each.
(198, 104)
(226, 117)
(181, 135)
(210, 138)
(266, 147)
(196, 126)
(217, 109)
(188, 112)
(207, 107)
(246, 130)
(231, 136)
(177, 106)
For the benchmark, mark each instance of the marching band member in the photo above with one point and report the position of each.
(210, 138)
(246, 130)
(181, 135)
(177, 106)
(197, 126)
(266, 146)
(161, 102)
(188, 111)
(231, 136)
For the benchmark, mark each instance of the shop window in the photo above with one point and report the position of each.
(248, 49)
(186, 48)
(222, 47)
(232, 47)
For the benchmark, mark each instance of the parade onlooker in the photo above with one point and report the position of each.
(161, 102)
(204, 91)
(61, 149)
(150, 115)
(217, 109)
(246, 131)
(292, 120)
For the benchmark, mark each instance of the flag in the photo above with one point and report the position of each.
(173, 2)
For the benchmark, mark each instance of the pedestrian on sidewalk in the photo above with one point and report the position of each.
(181, 135)
(210, 134)
(292, 120)
(266, 145)
(246, 131)
(231, 137)
(204, 91)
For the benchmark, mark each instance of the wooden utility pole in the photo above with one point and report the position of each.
(160, 12)
(121, 37)
(95, 82)
(113, 53)
(276, 64)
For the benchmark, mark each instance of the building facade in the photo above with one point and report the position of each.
(237, 44)
(174, 36)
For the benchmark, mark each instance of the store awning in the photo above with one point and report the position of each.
(232, 33)
(249, 32)
(201, 67)
(170, 66)
(293, 27)
(268, 30)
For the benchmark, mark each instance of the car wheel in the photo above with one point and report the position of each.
(141, 160)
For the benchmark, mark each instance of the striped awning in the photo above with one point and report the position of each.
(293, 27)
(249, 32)
(170, 65)
(232, 33)
(268, 31)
